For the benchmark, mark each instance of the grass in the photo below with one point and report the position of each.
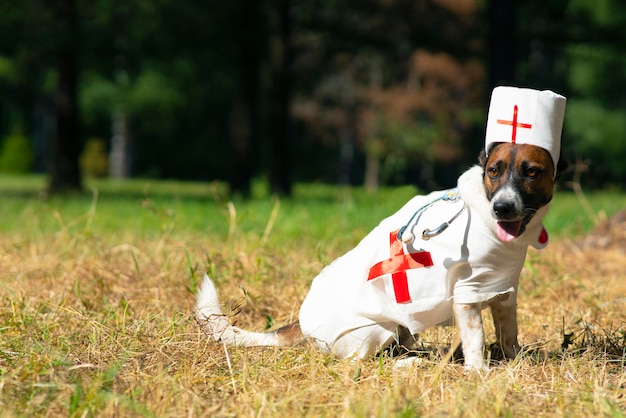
(97, 299)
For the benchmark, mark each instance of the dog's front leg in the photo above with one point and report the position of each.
(505, 322)
(470, 324)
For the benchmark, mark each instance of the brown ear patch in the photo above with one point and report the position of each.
(562, 166)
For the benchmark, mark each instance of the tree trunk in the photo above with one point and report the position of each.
(65, 174)
(372, 171)
(119, 157)
(502, 45)
(346, 150)
(280, 147)
(241, 145)
(372, 150)
(243, 118)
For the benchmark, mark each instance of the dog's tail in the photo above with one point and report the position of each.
(216, 325)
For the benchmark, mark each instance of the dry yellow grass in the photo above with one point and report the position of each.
(96, 326)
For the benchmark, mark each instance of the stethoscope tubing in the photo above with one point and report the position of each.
(450, 195)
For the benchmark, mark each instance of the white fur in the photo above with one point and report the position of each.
(508, 194)
(334, 313)
(469, 321)
(216, 325)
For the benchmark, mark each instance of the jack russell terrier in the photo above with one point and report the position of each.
(404, 277)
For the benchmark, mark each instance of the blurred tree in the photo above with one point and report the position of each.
(41, 59)
(244, 119)
(94, 160)
(389, 91)
(280, 175)
(148, 96)
(381, 91)
(16, 155)
(424, 117)
(579, 49)
(596, 77)
(64, 172)
(502, 43)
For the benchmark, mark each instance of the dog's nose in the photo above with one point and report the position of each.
(504, 209)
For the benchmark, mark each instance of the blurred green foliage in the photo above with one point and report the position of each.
(94, 161)
(16, 156)
(178, 71)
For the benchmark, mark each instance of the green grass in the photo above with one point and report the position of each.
(97, 300)
(143, 208)
(571, 215)
(320, 212)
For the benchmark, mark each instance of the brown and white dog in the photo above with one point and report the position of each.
(403, 278)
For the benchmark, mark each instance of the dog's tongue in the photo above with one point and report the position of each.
(508, 231)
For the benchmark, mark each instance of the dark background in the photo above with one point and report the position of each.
(374, 92)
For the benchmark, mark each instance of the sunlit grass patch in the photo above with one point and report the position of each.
(97, 312)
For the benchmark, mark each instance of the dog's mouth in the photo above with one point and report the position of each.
(509, 230)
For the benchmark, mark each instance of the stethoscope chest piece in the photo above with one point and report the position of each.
(407, 237)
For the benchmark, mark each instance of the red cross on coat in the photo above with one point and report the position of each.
(397, 265)
(515, 124)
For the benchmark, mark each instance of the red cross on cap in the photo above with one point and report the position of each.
(537, 118)
(515, 124)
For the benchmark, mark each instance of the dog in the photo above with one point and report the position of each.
(404, 277)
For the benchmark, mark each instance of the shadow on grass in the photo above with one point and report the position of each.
(593, 341)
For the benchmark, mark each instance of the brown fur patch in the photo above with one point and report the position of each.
(528, 167)
(290, 335)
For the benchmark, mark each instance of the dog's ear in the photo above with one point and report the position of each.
(561, 167)
(482, 158)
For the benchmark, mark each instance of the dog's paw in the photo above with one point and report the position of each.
(407, 363)
(482, 368)
(475, 364)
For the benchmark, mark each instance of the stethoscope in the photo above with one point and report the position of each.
(408, 237)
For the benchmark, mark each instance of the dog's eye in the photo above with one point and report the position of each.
(532, 172)
(493, 172)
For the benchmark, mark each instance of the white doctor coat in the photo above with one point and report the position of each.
(356, 303)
